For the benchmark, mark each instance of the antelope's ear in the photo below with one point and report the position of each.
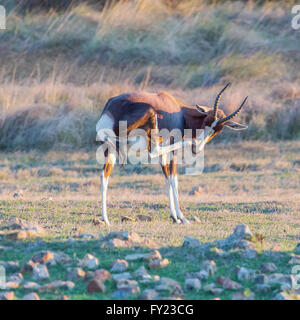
(235, 126)
(202, 109)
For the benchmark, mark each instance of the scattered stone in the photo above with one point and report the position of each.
(144, 218)
(124, 239)
(171, 286)
(119, 266)
(158, 263)
(102, 275)
(192, 242)
(90, 262)
(119, 276)
(31, 296)
(284, 280)
(260, 279)
(40, 272)
(219, 252)
(262, 288)
(209, 266)
(43, 257)
(28, 267)
(295, 259)
(125, 283)
(7, 295)
(96, 285)
(243, 296)
(201, 275)
(192, 284)
(297, 249)
(75, 274)
(240, 238)
(268, 267)
(62, 258)
(283, 296)
(135, 257)
(249, 254)
(22, 229)
(85, 236)
(127, 219)
(12, 285)
(228, 284)
(212, 289)
(152, 256)
(149, 294)
(245, 274)
(31, 286)
(16, 277)
(53, 286)
(64, 297)
(10, 266)
(141, 273)
(18, 194)
(125, 293)
(196, 191)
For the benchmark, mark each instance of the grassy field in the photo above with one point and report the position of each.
(246, 183)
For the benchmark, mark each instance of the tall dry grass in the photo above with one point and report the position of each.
(58, 68)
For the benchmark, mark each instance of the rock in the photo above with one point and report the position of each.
(96, 285)
(245, 274)
(125, 293)
(243, 232)
(125, 283)
(196, 191)
(62, 258)
(149, 294)
(40, 272)
(85, 236)
(12, 285)
(240, 238)
(268, 267)
(192, 284)
(297, 249)
(158, 263)
(75, 274)
(44, 172)
(212, 289)
(102, 275)
(31, 296)
(171, 286)
(295, 259)
(18, 194)
(249, 254)
(219, 252)
(22, 234)
(283, 296)
(201, 275)
(284, 280)
(152, 256)
(124, 239)
(90, 262)
(144, 218)
(7, 295)
(119, 266)
(228, 284)
(262, 288)
(29, 285)
(192, 242)
(119, 276)
(135, 257)
(64, 297)
(141, 273)
(23, 230)
(10, 266)
(53, 286)
(43, 257)
(16, 277)
(209, 266)
(243, 296)
(260, 279)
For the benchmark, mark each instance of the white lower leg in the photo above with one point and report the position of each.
(104, 184)
(173, 214)
(174, 183)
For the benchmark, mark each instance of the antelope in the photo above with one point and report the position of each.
(156, 111)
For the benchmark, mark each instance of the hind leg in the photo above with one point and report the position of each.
(104, 176)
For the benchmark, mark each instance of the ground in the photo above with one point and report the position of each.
(250, 183)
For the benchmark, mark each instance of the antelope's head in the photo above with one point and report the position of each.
(214, 120)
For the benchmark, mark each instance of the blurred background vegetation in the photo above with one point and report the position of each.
(62, 60)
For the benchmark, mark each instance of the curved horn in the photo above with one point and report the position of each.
(233, 113)
(218, 100)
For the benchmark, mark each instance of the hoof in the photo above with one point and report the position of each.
(178, 221)
(184, 221)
